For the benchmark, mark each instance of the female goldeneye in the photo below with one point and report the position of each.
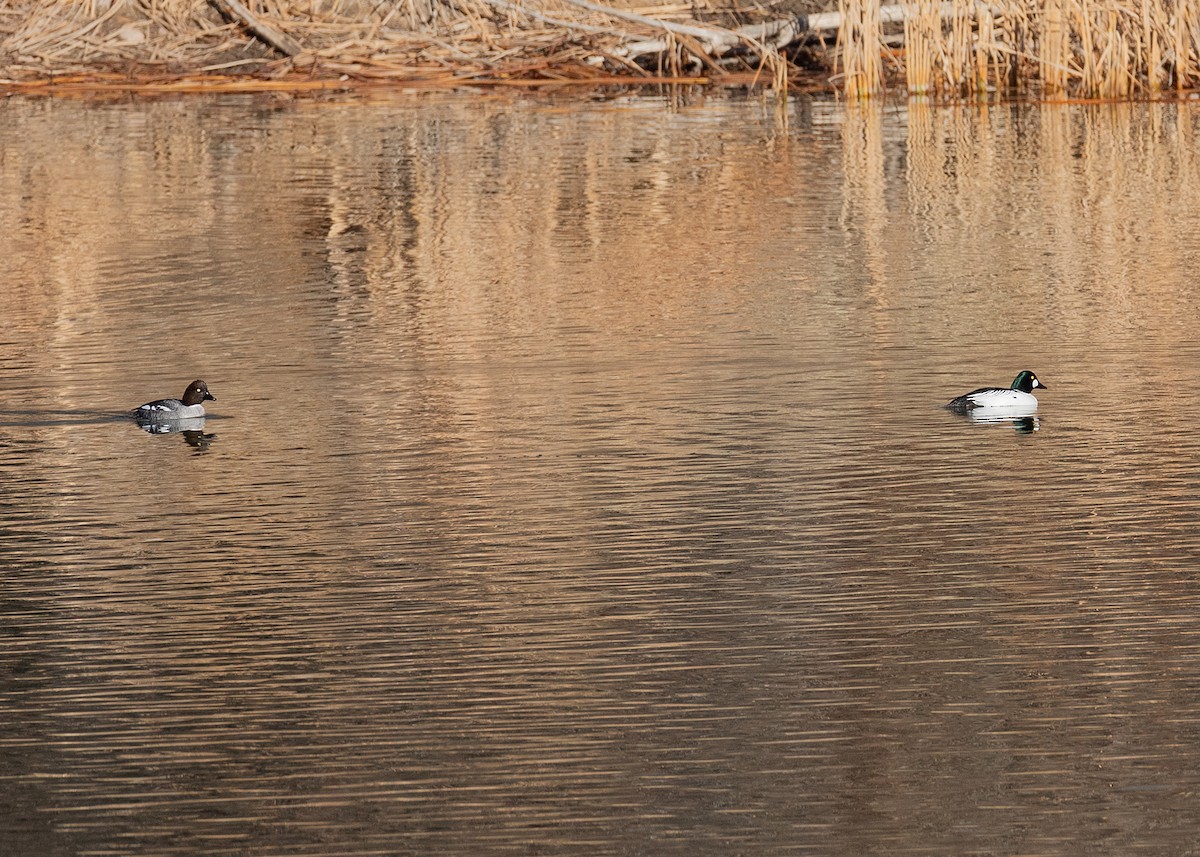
(1017, 399)
(189, 407)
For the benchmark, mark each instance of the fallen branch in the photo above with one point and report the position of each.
(895, 14)
(776, 35)
(773, 34)
(235, 11)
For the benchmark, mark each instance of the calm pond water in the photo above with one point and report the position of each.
(577, 481)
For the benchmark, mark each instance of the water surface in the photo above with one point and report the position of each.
(577, 481)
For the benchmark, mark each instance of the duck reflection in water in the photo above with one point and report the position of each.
(1022, 425)
(191, 428)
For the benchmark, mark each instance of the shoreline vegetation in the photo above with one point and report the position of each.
(1096, 49)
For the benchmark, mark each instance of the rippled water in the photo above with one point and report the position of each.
(577, 481)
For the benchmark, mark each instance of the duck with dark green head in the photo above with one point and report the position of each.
(1017, 399)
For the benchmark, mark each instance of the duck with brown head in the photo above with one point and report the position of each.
(189, 407)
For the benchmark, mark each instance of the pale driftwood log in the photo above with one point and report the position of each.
(711, 41)
(773, 34)
(825, 21)
(281, 42)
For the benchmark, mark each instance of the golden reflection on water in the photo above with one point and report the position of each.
(577, 482)
(1091, 200)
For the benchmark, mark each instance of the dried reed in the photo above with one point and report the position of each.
(922, 34)
(407, 41)
(955, 48)
(859, 42)
(1080, 48)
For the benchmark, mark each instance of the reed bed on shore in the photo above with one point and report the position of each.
(946, 48)
(433, 41)
(1073, 48)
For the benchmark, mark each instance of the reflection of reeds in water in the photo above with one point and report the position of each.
(865, 212)
(1090, 48)
(1001, 197)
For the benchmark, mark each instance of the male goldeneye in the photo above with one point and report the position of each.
(1017, 399)
(189, 407)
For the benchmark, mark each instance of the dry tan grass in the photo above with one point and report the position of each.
(952, 48)
(858, 41)
(409, 40)
(1075, 48)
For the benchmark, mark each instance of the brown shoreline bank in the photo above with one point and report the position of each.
(214, 45)
(1093, 49)
(100, 82)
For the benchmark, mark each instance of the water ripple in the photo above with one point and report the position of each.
(625, 520)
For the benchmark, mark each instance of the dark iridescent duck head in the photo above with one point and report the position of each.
(1026, 381)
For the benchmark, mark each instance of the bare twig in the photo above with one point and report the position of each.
(281, 42)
